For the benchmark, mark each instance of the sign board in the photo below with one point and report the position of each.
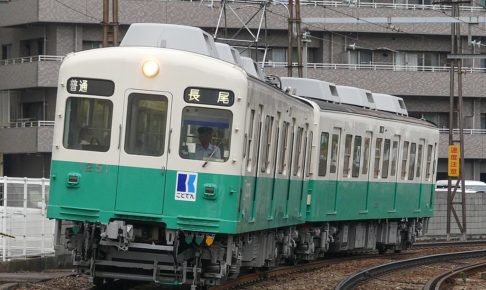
(94, 87)
(207, 96)
(453, 157)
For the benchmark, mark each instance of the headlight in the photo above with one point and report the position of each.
(150, 68)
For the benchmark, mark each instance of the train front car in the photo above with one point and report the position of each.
(148, 141)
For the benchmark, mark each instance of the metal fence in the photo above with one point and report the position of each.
(25, 230)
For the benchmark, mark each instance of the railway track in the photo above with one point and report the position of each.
(446, 278)
(352, 281)
(249, 279)
(275, 274)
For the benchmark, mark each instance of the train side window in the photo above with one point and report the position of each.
(386, 159)
(366, 156)
(205, 134)
(146, 124)
(88, 124)
(356, 156)
(429, 163)
(267, 138)
(411, 164)
(376, 167)
(347, 154)
(433, 158)
(283, 149)
(419, 160)
(309, 154)
(334, 153)
(298, 150)
(324, 148)
(249, 140)
(404, 159)
(394, 158)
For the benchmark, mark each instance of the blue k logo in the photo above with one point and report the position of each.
(186, 186)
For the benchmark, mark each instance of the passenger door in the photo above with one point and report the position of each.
(143, 152)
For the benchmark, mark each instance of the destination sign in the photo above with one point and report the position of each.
(209, 96)
(95, 87)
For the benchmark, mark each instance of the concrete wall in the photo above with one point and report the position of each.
(475, 215)
(26, 140)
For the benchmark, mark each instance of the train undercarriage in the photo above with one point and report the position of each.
(150, 252)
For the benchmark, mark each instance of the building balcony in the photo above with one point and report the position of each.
(206, 14)
(391, 79)
(474, 143)
(26, 137)
(29, 72)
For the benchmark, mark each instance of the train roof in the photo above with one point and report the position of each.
(327, 106)
(321, 90)
(173, 36)
(310, 88)
(252, 68)
(228, 53)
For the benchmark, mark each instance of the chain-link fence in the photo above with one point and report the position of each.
(25, 230)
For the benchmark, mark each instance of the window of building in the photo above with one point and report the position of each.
(88, 124)
(441, 119)
(205, 134)
(92, 44)
(323, 154)
(360, 56)
(6, 51)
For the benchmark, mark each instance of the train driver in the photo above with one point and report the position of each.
(206, 150)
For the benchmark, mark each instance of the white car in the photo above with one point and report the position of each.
(472, 186)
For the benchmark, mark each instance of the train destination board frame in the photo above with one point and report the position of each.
(206, 96)
(87, 86)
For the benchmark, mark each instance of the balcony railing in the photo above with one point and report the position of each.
(358, 3)
(392, 67)
(466, 131)
(29, 124)
(28, 59)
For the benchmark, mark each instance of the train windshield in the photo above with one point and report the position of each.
(88, 124)
(205, 134)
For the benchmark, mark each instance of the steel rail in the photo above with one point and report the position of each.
(437, 282)
(354, 279)
(445, 244)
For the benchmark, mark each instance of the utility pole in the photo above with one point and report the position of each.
(456, 153)
(291, 38)
(110, 27)
(305, 41)
(298, 21)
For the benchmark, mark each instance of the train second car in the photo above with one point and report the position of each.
(174, 166)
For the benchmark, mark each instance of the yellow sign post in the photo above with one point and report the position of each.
(453, 168)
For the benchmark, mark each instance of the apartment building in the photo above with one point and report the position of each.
(396, 47)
